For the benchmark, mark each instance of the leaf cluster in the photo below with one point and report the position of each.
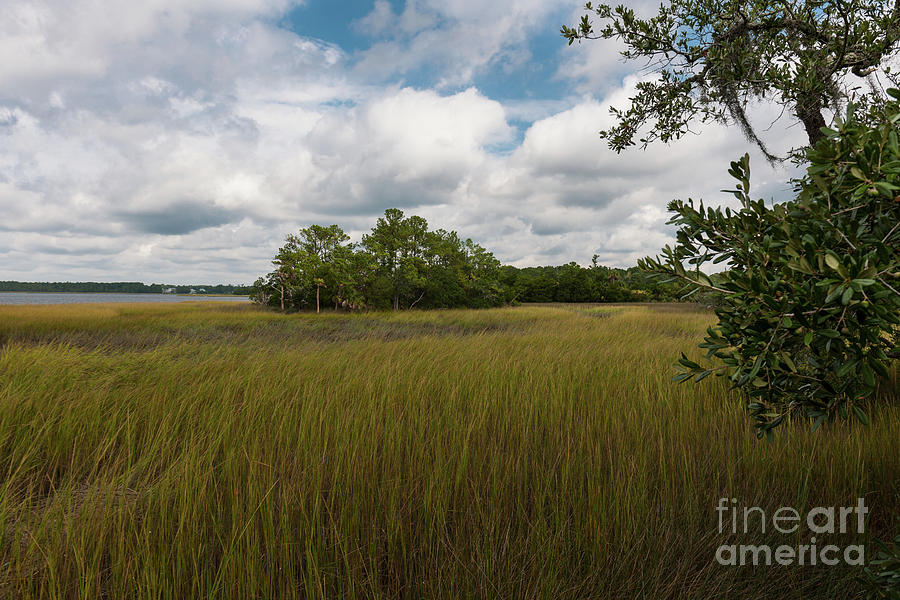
(882, 575)
(713, 59)
(399, 264)
(810, 309)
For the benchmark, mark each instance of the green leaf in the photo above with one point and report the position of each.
(868, 376)
(802, 265)
(837, 291)
(788, 361)
(703, 279)
(756, 366)
(847, 296)
(886, 188)
(688, 362)
(878, 367)
(846, 368)
(860, 415)
(819, 420)
(703, 375)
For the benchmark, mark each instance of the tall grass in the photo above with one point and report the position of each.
(206, 451)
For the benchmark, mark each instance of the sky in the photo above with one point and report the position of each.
(180, 141)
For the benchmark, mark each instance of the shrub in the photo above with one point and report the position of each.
(808, 321)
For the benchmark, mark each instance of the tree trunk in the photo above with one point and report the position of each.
(282, 297)
(422, 295)
(396, 302)
(317, 298)
(810, 114)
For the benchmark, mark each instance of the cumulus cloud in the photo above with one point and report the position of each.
(48, 42)
(180, 142)
(595, 67)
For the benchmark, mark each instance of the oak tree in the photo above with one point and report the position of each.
(713, 59)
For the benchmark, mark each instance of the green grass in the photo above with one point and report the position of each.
(211, 450)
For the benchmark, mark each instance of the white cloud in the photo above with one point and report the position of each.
(461, 38)
(182, 145)
(45, 39)
(377, 21)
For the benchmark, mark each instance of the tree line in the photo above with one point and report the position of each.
(119, 287)
(401, 264)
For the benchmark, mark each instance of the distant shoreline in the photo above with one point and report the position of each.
(124, 287)
(129, 293)
(38, 298)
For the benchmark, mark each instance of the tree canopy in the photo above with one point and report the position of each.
(809, 318)
(401, 264)
(715, 58)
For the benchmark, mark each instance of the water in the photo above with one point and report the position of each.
(87, 298)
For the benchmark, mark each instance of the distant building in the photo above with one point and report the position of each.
(168, 290)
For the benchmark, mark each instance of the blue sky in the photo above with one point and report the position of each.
(180, 141)
(533, 79)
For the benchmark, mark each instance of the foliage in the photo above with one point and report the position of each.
(400, 247)
(808, 321)
(883, 573)
(315, 258)
(715, 58)
(400, 264)
(573, 283)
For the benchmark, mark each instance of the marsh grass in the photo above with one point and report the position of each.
(204, 451)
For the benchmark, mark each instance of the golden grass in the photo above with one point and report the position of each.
(186, 451)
